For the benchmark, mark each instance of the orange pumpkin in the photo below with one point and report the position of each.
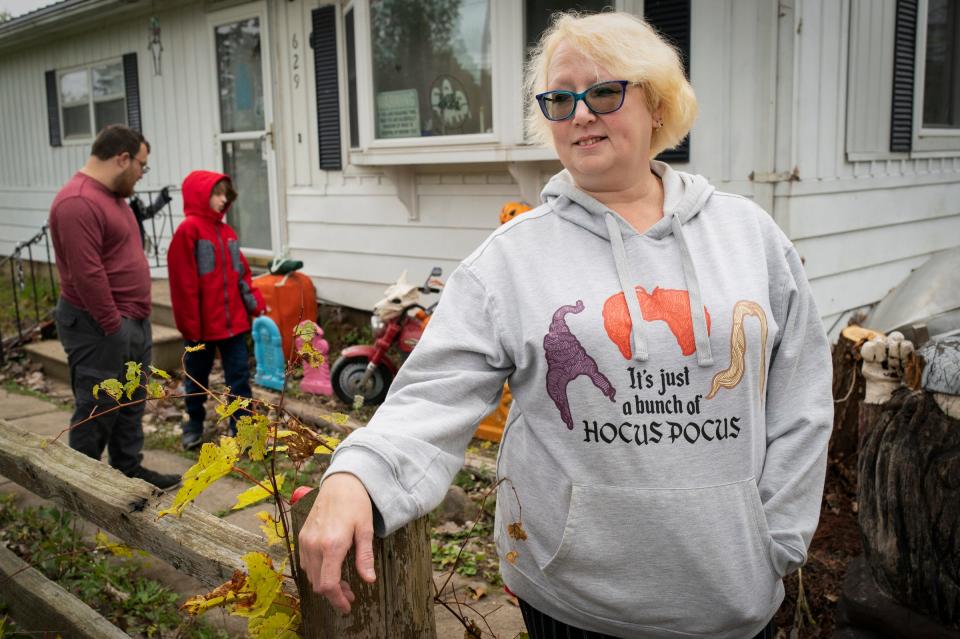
(511, 210)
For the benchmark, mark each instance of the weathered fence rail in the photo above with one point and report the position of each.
(204, 546)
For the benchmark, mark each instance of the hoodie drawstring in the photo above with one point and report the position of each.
(697, 315)
(639, 345)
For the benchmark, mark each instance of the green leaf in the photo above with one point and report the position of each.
(225, 411)
(134, 372)
(155, 390)
(96, 391)
(159, 372)
(131, 387)
(112, 387)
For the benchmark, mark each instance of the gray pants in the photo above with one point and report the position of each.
(94, 357)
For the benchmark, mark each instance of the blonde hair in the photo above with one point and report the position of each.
(627, 47)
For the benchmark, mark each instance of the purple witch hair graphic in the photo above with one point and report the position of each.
(567, 360)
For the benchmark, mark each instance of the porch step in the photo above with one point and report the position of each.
(167, 349)
(162, 306)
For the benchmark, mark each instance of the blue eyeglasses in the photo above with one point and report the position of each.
(605, 97)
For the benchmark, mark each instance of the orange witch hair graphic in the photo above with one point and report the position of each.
(738, 346)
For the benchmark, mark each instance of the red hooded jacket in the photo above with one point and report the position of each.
(210, 286)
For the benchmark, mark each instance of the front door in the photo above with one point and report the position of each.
(245, 143)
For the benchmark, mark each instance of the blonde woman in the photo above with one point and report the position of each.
(671, 377)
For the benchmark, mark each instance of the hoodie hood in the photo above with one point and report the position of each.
(197, 188)
(684, 196)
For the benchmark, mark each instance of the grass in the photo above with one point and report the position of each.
(46, 297)
(49, 540)
(13, 387)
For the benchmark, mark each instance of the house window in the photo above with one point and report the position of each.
(431, 68)
(91, 98)
(941, 83)
(539, 12)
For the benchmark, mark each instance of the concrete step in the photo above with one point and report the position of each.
(167, 349)
(162, 307)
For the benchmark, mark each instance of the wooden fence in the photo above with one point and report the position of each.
(200, 544)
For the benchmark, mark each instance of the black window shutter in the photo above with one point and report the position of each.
(323, 40)
(672, 19)
(904, 50)
(131, 80)
(53, 109)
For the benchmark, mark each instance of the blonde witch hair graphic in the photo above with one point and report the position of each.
(738, 346)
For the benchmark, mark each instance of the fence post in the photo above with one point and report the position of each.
(399, 605)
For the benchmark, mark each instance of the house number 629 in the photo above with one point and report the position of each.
(295, 65)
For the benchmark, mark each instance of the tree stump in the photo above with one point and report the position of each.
(848, 391)
(909, 504)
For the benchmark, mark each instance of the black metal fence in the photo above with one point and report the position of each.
(32, 294)
(30, 271)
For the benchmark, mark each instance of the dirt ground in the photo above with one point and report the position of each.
(836, 542)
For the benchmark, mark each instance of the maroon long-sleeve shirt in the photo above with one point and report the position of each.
(102, 266)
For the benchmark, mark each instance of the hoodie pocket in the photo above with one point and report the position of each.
(691, 560)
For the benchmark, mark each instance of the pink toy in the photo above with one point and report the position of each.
(316, 379)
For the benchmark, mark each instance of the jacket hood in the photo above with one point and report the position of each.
(684, 196)
(196, 195)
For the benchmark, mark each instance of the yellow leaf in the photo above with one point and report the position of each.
(257, 493)
(277, 626)
(112, 387)
(512, 557)
(104, 543)
(273, 530)
(214, 462)
(340, 419)
(134, 370)
(238, 403)
(516, 531)
(263, 582)
(159, 372)
(252, 434)
(194, 349)
(155, 390)
(131, 387)
(223, 595)
(96, 391)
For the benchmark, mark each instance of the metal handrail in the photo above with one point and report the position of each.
(18, 285)
(157, 225)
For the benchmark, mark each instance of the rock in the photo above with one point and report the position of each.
(456, 507)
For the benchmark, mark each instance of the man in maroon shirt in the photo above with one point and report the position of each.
(104, 308)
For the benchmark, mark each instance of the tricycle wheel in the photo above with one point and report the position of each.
(346, 376)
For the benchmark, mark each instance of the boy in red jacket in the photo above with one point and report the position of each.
(212, 294)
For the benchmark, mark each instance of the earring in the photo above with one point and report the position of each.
(659, 123)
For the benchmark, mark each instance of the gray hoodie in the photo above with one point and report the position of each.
(666, 447)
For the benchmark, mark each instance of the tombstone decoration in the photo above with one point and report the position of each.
(316, 375)
(268, 350)
(909, 488)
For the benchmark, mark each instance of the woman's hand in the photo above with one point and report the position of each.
(341, 517)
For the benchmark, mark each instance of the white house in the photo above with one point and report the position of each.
(373, 136)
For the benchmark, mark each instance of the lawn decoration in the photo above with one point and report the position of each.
(316, 367)
(268, 351)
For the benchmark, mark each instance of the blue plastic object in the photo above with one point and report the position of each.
(268, 350)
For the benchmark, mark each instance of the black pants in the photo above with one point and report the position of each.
(541, 626)
(236, 373)
(92, 358)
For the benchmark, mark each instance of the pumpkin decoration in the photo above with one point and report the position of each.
(511, 210)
